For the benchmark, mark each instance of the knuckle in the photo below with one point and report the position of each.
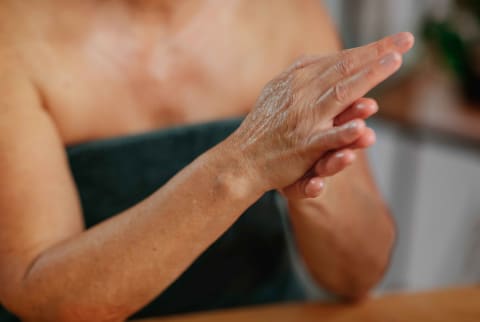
(350, 131)
(300, 80)
(370, 74)
(302, 61)
(380, 48)
(346, 65)
(341, 92)
(321, 168)
(346, 136)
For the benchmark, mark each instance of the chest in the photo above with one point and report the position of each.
(112, 83)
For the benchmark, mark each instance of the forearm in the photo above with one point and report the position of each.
(120, 265)
(346, 235)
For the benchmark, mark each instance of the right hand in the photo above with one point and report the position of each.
(292, 124)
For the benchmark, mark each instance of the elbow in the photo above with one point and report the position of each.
(70, 313)
(354, 287)
(350, 286)
(362, 268)
(362, 278)
(375, 261)
(354, 283)
(37, 298)
(38, 310)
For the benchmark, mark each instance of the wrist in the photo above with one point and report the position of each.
(235, 173)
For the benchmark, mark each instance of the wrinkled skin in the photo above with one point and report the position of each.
(292, 124)
(73, 71)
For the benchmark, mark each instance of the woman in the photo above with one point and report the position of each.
(75, 71)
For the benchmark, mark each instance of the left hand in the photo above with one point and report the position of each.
(312, 183)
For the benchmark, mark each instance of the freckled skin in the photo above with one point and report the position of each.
(73, 71)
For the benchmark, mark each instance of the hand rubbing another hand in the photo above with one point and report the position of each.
(308, 121)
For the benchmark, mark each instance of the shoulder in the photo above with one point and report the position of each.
(17, 90)
(17, 85)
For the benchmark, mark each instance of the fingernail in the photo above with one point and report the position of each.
(390, 59)
(351, 125)
(315, 187)
(360, 106)
(402, 39)
(321, 184)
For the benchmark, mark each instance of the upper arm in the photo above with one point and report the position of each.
(39, 206)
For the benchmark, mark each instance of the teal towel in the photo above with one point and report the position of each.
(248, 265)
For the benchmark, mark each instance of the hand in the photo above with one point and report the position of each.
(292, 125)
(312, 184)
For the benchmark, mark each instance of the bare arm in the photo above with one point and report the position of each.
(346, 234)
(54, 270)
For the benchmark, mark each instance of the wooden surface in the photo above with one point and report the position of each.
(456, 305)
(428, 99)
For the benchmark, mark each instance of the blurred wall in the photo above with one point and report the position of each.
(431, 184)
(362, 21)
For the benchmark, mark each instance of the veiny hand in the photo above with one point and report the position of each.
(292, 125)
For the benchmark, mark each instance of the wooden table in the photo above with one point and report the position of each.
(455, 305)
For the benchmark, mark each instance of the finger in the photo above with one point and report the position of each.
(347, 62)
(367, 139)
(331, 139)
(314, 187)
(313, 184)
(347, 90)
(363, 108)
(355, 58)
(337, 137)
(334, 162)
(306, 187)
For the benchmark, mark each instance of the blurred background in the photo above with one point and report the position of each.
(427, 159)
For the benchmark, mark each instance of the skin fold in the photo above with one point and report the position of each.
(75, 71)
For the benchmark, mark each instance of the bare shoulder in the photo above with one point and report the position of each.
(18, 94)
(19, 97)
(15, 81)
(32, 166)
